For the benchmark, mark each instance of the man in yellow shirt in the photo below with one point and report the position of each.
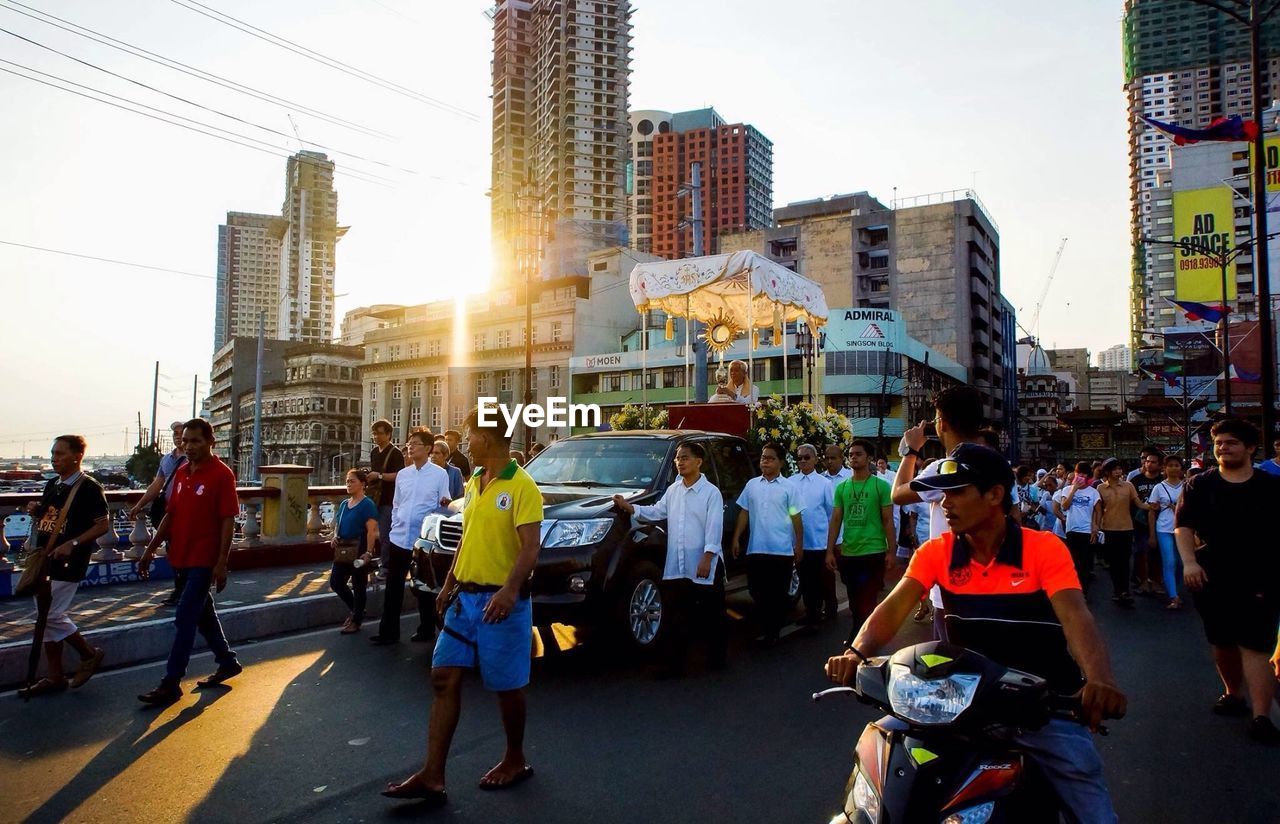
(487, 619)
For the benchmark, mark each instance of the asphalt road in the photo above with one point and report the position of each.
(318, 723)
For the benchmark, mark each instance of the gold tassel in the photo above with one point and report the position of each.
(755, 339)
(670, 329)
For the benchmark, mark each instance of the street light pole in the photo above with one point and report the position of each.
(1261, 266)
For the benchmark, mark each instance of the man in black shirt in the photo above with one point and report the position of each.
(385, 460)
(456, 458)
(72, 543)
(1146, 557)
(1235, 575)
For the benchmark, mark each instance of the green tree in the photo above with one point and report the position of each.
(143, 463)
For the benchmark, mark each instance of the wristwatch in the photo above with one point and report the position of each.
(904, 450)
(75, 542)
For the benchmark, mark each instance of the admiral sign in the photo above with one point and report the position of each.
(849, 330)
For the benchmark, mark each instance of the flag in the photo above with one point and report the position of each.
(1224, 128)
(1199, 311)
(1243, 376)
(1169, 374)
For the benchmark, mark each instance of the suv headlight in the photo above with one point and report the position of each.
(936, 701)
(430, 532)
(578, 533)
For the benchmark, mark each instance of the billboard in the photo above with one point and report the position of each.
(1203, 223)
(1192, 356)
(850, 330)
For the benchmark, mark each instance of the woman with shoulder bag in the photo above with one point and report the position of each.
(355, 534)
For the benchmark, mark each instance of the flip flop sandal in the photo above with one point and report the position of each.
(43, 687)
(430, 798)
(524, 775)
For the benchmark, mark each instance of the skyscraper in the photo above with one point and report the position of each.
(561, 70)
(736, 180)
(281, 265)
(1188, 64)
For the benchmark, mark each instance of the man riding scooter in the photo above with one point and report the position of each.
(1012, 595)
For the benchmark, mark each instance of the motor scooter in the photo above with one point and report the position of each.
(944, 754)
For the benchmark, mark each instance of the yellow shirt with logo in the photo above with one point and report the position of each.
(490, 544)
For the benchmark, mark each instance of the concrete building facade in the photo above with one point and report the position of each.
(1116, 358)
(233, 374)
(935, 259)
(561, 73)
(281, 266)
(430, 362)
(1185, 63)
(736, 182)
(310, 416)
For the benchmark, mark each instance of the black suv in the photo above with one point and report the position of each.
(598, 569)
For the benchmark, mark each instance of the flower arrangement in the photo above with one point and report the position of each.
(798, 424)
(633, 416)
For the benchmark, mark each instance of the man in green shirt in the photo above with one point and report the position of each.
(862, 519)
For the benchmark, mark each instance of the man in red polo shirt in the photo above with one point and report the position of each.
(198, 522)
(1012, 595)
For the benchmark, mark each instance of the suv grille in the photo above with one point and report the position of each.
(450, 535)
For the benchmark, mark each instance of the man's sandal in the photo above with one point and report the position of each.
(43, 687)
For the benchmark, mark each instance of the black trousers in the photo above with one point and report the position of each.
(426, 599)
(863, 577)
(696, 609)
(341, 579)
(768, 579)
(817, 586)
(393, 597)
(1082, 556)
(1117, 546)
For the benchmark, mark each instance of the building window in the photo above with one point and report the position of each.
(415, 416)
(481, 384)
(504, 338)
(860, 406)
(533, 380)
(611, 382)
(504, 381)
(373, 392)
(433, 348)
(415, 390)
(397, 390)
(435, 417)
(395, 419)
(375, 354)
(415, 349)
(393, 352)
(556, 327)
(435, 387)
(555, 376)
(477, 342)
(672, 376)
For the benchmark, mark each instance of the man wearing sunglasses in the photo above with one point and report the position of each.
(1012, 595)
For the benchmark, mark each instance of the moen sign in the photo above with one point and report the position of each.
(853, 329)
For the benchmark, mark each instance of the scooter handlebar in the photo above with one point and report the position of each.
(818, 696)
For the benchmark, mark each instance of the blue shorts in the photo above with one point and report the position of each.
(502, 651)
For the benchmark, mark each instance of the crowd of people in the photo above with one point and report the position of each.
(967, 542)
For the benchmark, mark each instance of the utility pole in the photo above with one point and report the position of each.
(195, 383)
(527, 254)
(699, 249)
(155, 389)
(1261, 265)
(255, 458)
(139, 429)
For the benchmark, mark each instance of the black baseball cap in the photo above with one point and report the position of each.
(967, 465)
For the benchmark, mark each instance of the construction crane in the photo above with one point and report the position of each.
(1044, 293)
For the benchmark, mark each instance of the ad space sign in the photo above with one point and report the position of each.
(850, 330)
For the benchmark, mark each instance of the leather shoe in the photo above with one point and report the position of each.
(380, 641)
(161, 696)
(422, 638)
(223, 673)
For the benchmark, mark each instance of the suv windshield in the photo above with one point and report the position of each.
(624, 462)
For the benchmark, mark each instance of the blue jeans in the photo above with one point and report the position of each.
(1170, 562)
(1064, 752)
(195, 612)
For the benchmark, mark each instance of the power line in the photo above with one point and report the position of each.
(367, 177)
(322, 59)
(200, 74)
(106, 260)
(193, 103)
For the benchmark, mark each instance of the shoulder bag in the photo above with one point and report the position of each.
(35, 572)
(345, 551)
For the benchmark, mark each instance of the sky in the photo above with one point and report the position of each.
(1023, 102)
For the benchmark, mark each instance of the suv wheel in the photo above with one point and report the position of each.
(642, 605)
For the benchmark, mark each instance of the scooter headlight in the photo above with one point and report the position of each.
(974, 815)
(862, 799)
(934, 701)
